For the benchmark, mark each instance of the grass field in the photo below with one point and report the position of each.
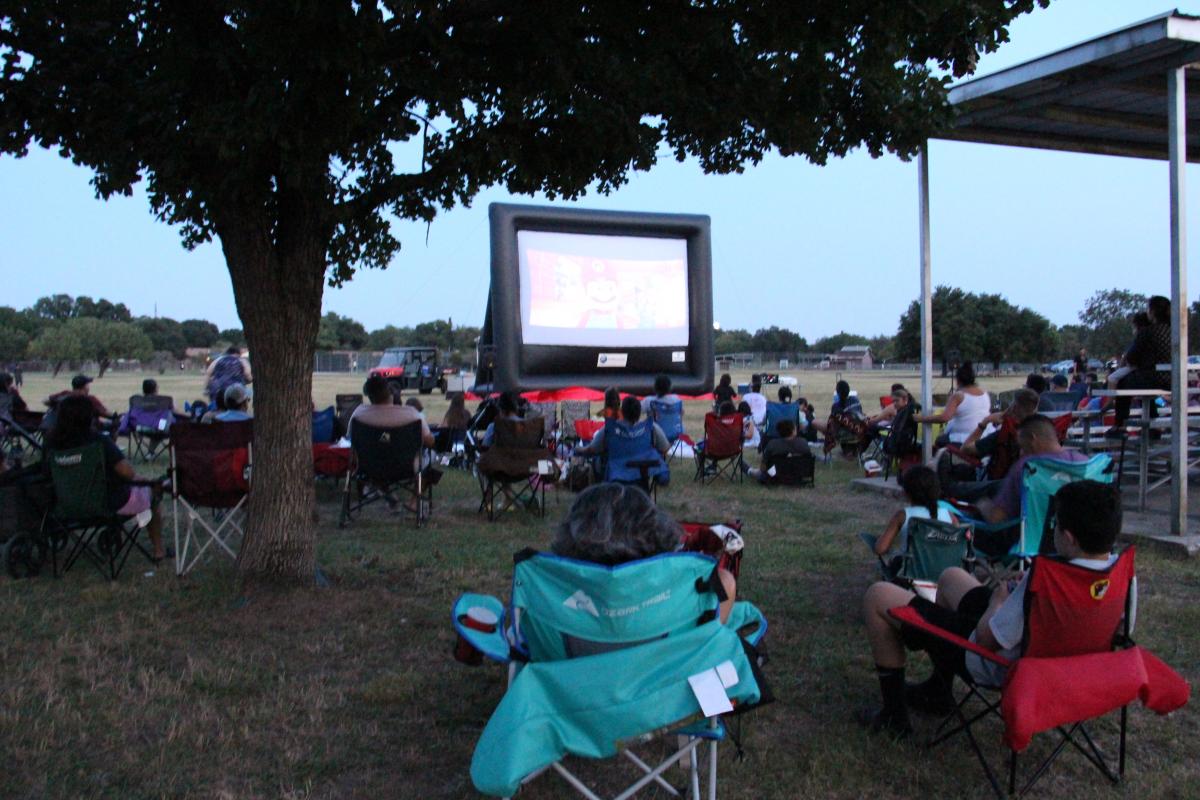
(155, 687)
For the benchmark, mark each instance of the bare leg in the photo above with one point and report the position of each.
(953, 583)
(154, 530)
(883, 632)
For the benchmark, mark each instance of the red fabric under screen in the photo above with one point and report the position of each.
(1073, 610)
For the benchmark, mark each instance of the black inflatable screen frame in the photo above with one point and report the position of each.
(521, 367)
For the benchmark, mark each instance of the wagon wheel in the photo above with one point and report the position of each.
(23, 556)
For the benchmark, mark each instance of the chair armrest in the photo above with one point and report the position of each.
(907, 615)
(494, 645)
(744, 614)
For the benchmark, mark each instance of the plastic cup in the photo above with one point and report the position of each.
(480, 619)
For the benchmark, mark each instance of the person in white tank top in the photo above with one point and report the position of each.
(965, 409)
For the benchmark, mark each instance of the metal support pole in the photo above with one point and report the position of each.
(1177, 135)
(926, 302)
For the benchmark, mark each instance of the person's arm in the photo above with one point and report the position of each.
(661, 443)
(1002, 625)
(246, 369)
(125, 470)
(596, 446)
(426, 434)
(730, 585)
(211, 366)
(946, 413)
(884, 543)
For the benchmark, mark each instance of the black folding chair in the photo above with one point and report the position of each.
(384, 462)
(508, 470)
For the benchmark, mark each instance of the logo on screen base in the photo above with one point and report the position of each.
(612, 359)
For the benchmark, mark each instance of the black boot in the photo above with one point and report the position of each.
(892, 719)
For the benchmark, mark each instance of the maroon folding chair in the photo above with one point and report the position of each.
(1078, 663)
(210, 480)
(721, 454)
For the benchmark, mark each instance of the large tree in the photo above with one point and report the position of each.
(983, 328)
(284, 128)
(1106, 318)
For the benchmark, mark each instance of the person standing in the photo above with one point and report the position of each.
(229, 368)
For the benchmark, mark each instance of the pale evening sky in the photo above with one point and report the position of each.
(815, 249)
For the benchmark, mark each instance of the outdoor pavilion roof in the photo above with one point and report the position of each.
(1107, 95)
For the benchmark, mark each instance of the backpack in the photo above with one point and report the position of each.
(227, 371)
(903, 438)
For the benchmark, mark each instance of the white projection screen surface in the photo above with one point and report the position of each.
(597, 290)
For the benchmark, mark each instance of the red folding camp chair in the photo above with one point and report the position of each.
(1070, 670)
(210, 469)
(722, 450)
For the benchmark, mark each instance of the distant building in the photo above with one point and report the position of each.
(852, 356)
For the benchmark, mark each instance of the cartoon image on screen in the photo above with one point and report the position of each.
(619, 290)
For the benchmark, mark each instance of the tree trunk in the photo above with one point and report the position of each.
(278, 293)
(104, 364)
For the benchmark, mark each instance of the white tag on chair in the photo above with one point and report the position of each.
(727, 672)
(772, 471)
(143, 517)
(710, 693)
(162, 424)
(546, 467)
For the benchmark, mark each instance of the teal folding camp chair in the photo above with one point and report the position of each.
(1016, 542)
(603, 657)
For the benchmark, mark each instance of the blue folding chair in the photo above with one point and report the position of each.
(776, 413)
(630, 456)
(604, 657)
(669, 417)
(323, 424)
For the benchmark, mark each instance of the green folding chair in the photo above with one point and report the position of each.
(79, 520)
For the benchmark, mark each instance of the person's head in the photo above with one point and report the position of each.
(900, 398)
(726, 408)
(611, 523)
(785, 429)
(81, 384)
(377, 390)
(785, 394)
(755, 383)
(743, 408)
(1092, 377)
(413, 402)
(898, 387)
(6, 381)
(1036, 435)
(920, 484)
(233, 350)
(236, 397)
(631, 409)
(149, 387)
(1140, 320)
(73, 420)
(662, 385)
(1035, 382)
(1059, 382)
(965, 374)
(1088, 519)
(1024, 404)
(1083, 352)
(612, 398)
(508, 403)
(1076, 377)
(1159, 308)
(803, 403)
(842, 390)
(458, 403)
(725, 379)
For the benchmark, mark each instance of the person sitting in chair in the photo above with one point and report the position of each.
(8, 387)
(662, 393)
(1088, 521)
(612, 523)
(1059, 397)
(756, 400)
(81, 386)
(237, 405)
(631, 412)
(75, 426)
(1037, 438)
(507, 404)
(784, 444)
(888, 412)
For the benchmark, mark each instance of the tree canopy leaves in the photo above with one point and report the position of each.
(982, 328)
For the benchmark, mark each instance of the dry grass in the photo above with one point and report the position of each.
(156, 687)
